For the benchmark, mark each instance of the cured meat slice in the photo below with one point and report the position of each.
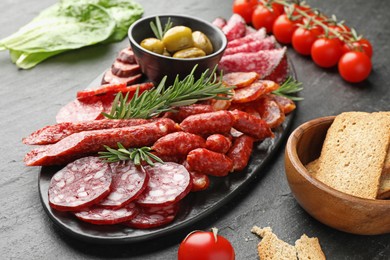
(254, 91)
(102, 216)
(220, 104)
(79, 111)
(254, 46)
(90, 142)
(110, 78)
(235, 27)
(262, 62)
(178, 143)
(208, 123)
(250, 30)
(183, 112)
(126, 56)
(154, 217)
(208, 162)
(270, 112)
(128, 182)
(280, 73)
(218, 143)
(251, 125)
(219, 22)
(257, 36)
(114, 88)
(286, 104)
(168, 183)
(240, 79)
(241, 152)
(80, 184)
(54, 133)
(123, 70)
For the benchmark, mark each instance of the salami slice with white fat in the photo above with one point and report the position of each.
(80, 184)
(154, 217)
(128, 182)
(102, 216)
(168, 183)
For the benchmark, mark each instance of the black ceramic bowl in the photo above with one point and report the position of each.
(156, 66)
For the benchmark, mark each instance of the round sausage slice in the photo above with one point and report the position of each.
(128, 182)
(80, 184)
(168, 183)
(101, 216)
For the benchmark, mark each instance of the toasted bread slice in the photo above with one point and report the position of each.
(271, 247)
(353, 153)
(309, 248)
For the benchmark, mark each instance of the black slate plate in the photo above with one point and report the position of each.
(194, 207)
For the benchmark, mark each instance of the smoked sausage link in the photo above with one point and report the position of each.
(178, 143)
(218, 143)
(208, 162)
(90, 142)
(208, 123)
(251, 125)
(241, 152)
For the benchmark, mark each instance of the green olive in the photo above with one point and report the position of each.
(178, 38)
(201, 41)
(153, 45)
(192, 52)
(166, 53)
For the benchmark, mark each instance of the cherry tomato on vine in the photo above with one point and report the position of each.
(278, 7)
(360, 45)
(303, 39)
(283, 29)
(245, 8)
(326, 52)
(264, 17)
(206, 246)
(354, 66)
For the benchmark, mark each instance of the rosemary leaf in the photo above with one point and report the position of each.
(290, 86)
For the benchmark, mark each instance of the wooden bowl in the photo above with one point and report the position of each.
(331, 207)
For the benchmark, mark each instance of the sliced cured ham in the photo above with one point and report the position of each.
(126, 56)
(80, 184)
(102, 216)
(128, 182)
(168, 183)
(121, 69)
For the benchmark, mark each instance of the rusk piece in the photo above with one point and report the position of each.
(309, 248)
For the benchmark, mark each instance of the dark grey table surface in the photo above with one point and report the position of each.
(30, 100)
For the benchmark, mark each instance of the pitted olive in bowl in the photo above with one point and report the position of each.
(189, 41)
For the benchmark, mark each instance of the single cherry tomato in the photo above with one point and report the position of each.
(245, 8)
(206, 246)
(264, 17)
(360, 45)
(326, 52)
(303, 39)
(278, 7)
(298, 9)
(283, 29)
(354, 66)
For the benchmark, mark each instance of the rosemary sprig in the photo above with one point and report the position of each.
(137, 155)
(157, 28)
(157, 100)
(290, 86)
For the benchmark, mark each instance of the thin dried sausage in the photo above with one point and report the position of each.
(251, 125)
(178, 143)
(208, 162)
(218, 143)
(241, 151)
(208, 123)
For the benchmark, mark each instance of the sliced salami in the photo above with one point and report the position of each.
(280, 73)
(262, 62)
(235, 27)
(102, 216)
(79, 111)
(254, 91)
(110, 78)
(128, 182)
(168, 183)
(80, 184)
(90, 142)
(251, 37)
(121, 69)
(286, 104)
(240, 79)
(255, 46)
(219, 22)
(126, 56)
(153, 217)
